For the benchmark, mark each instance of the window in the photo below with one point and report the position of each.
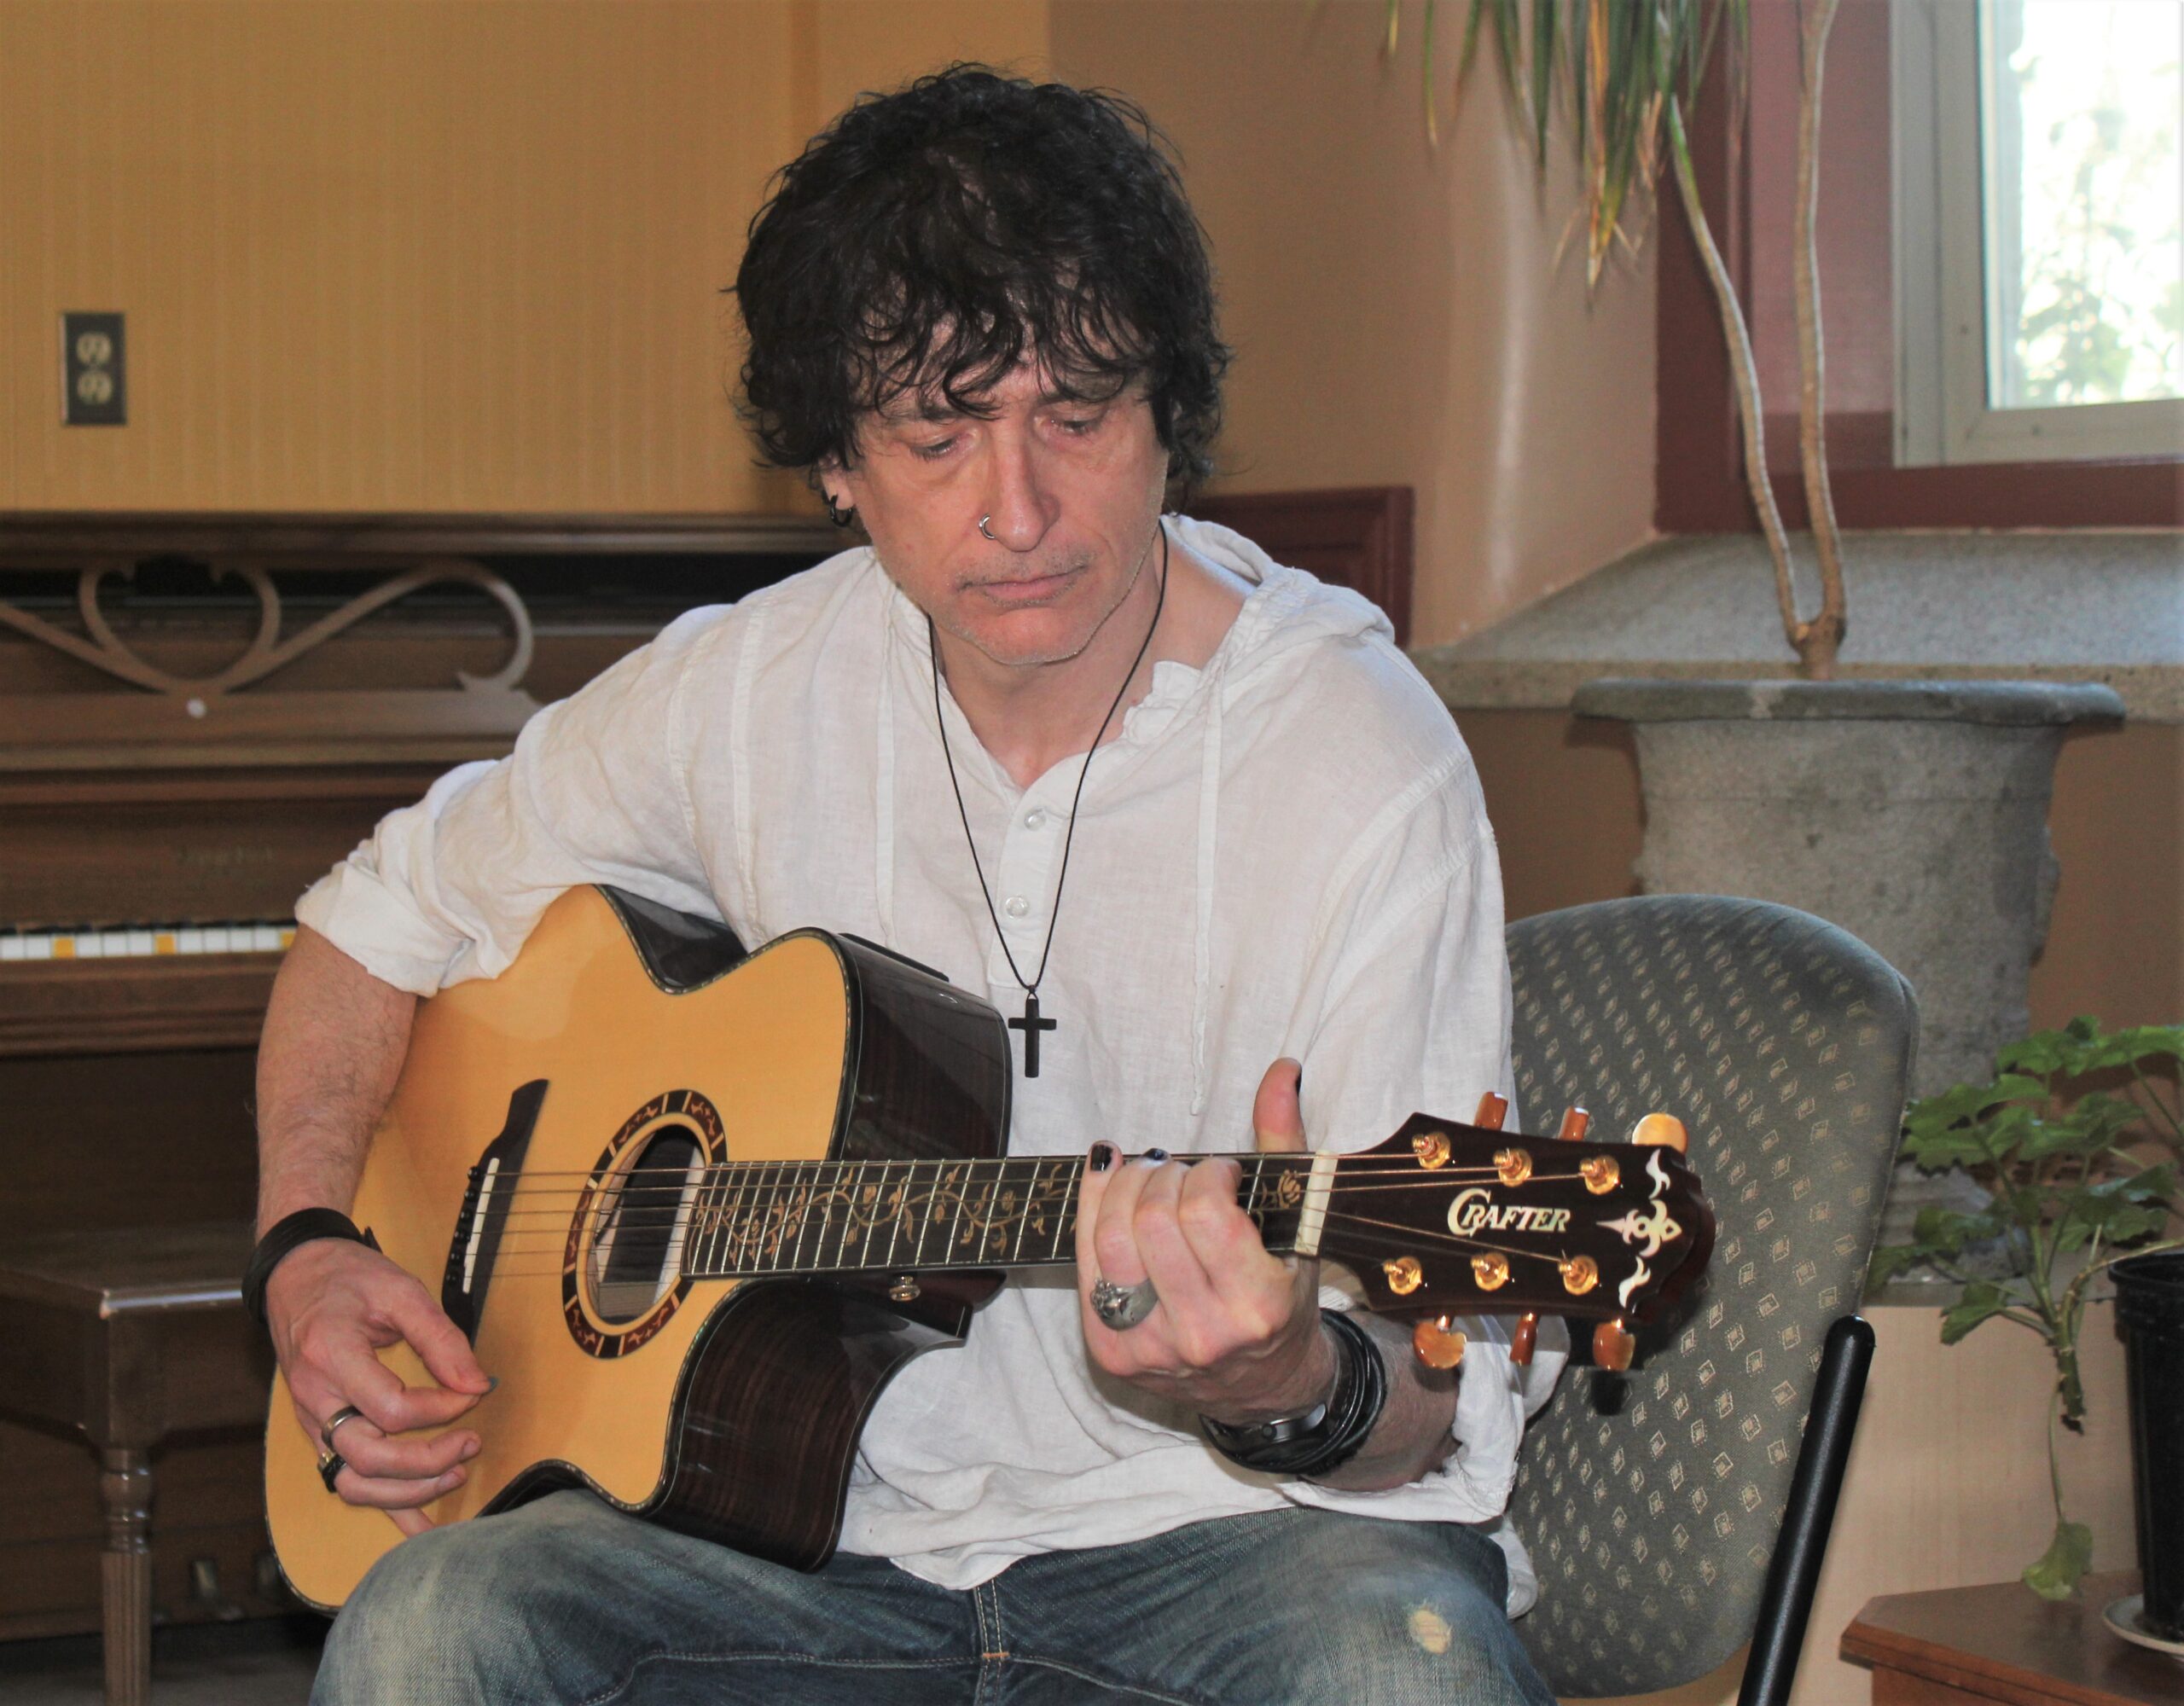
(2040, 261)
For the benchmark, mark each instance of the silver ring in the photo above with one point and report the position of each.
(347, 1412)
(982, 520)
(1121, 1308)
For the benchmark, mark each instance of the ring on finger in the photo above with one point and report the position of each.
(330, 1467)
(1120, 1307)
(347, 1412)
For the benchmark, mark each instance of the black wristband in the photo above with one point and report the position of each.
(1322, 1439)
(302, 1226)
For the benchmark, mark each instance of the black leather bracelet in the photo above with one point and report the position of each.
(302, 1226)
(1329, 1435)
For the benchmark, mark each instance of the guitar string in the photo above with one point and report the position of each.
(676, 1205)
(676, 1178)
(1302, 1158)
(1410, 1234)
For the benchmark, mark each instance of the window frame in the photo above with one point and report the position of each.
(1943, 417)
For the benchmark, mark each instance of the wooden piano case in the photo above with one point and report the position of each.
(170, 757)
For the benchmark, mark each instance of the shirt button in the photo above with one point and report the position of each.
(1016, 906)
(1034, 819)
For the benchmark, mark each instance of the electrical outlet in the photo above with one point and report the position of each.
(93, 391)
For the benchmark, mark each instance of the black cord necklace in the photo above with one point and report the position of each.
(1031, 1024)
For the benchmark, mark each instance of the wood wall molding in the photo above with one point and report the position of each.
(61, 539)
(1357, 537)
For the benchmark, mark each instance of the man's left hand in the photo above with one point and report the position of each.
(1236, 1333)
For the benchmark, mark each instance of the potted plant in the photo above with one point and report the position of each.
(2077, 1143)
(1912, 813)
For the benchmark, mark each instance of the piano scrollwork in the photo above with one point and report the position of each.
(267, 652)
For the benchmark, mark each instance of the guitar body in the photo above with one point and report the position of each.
(627, 1035)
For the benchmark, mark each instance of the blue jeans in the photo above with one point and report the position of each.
(568, 1600)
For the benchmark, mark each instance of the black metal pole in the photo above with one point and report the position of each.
(1793, 1573)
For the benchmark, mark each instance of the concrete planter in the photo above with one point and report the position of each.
(1914, 814)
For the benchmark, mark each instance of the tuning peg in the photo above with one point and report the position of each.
(1437, 1343)
(1523, 1338)
(1575, 1122)
(1613, 1346)
(1492, 1111)
(1665, 1130)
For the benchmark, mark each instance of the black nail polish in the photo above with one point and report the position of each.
(1103, 1156)
(1156, 1155)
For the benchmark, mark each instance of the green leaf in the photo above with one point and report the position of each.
(1982, 1301)
(1891, 1260)
(1944, 1231)
(2068, 1557)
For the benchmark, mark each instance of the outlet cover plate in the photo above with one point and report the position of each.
(93, 377)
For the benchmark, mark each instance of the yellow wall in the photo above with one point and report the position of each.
(413, 254)
(1397, 315)
(843, 47)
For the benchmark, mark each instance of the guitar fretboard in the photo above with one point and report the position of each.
(757, 1218)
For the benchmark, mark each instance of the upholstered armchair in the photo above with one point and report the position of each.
(1666, 1510)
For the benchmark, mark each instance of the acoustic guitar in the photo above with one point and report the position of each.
(695, 1208)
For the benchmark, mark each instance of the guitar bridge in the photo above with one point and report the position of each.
(484, 1217)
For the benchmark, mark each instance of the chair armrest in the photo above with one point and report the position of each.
(1793, 1573)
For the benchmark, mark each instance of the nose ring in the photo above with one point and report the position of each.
(982, 520)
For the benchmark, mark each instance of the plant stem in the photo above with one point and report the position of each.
(2054, 1466)
(1742, 368)
(2153, 1096)
(1817, 641)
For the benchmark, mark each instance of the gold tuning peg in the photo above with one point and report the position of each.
(1492, 1111)
(1523, 1338)
(1665, 1130)
(1437, 1342)
(1613, 1346)
(1575, 1122)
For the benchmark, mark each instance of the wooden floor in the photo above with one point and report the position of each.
(267, 1662)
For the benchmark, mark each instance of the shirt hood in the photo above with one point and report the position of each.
(1286, 613)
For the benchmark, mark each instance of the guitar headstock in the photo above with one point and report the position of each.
(1446, 1219)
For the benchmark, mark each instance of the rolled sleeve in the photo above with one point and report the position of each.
(595, 792)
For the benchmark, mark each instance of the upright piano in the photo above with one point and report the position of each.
(199, 715)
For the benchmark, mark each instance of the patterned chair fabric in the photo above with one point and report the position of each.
(1651, 1501)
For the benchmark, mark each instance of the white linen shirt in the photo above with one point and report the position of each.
(1285, 852)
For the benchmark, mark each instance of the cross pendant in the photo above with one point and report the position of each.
(1031, 1024)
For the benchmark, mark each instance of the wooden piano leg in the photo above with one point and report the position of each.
(126, 1573)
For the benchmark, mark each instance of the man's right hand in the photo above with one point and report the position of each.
(333, 1304)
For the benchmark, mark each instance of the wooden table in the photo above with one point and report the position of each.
(125, 1337)
(1964, 1647)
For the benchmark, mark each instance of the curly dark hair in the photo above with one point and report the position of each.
(932, 238)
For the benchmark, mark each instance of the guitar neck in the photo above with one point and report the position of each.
(773, 1219)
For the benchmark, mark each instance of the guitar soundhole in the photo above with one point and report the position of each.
(636, 1242)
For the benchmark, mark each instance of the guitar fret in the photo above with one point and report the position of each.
(812, 1229)
(852, 1200)
(805, 1200)
(972, 1241)
(930, 1201)
(772, 1209)
(1022, 1213)
(845, 1192)
(737, 1250)
(705, 1220)
(956, 1236)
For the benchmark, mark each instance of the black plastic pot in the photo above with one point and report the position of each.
(2150, 1307)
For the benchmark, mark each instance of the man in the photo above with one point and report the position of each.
(1178, 811)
